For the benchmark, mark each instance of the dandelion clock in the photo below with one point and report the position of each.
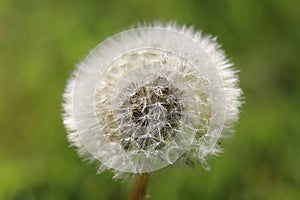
(150, 97)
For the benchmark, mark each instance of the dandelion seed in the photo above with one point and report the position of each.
(149, 97)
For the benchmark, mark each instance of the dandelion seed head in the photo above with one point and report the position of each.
(149, 97)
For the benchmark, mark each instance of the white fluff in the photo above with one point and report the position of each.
(107, 89)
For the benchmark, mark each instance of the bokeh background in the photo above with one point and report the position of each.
(42, 40)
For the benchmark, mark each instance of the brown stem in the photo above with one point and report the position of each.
(139, 187)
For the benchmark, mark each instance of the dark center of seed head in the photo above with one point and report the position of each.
(156, 110)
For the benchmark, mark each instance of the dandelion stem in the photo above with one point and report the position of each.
(139, 187)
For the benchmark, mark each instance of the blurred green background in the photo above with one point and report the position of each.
(41, 41)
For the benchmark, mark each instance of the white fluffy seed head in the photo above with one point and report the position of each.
(149, 97)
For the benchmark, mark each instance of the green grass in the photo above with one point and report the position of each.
(40, 43)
